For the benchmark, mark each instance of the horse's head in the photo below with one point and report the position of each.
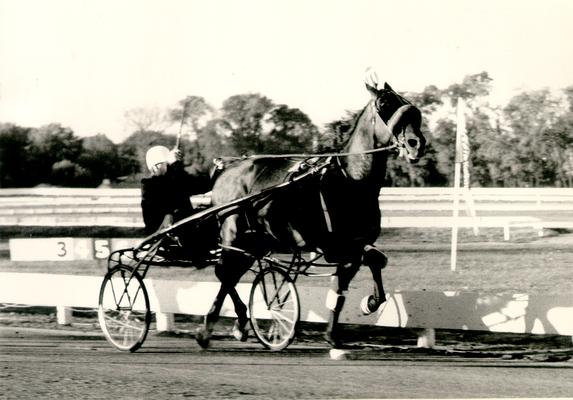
(403, 120)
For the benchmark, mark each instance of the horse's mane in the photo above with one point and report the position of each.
(342, 130)
(354, 123)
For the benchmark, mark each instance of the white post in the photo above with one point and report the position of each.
(456, 193)
(165, 322)
(64, 315)
(427, 338)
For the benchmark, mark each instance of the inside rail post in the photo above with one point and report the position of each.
(427, 338)
(165, 322)
(64, 315)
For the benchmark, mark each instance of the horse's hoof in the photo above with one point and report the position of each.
(203, 338)
(366, 305)
(338, 354)
(240, 333)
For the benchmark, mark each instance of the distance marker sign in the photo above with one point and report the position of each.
(66, 249)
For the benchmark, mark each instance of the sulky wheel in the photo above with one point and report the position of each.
(123, 312)
(274, 308)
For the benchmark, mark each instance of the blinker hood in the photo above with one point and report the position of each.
(406, 114)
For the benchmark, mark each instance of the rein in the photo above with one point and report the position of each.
(311, 155)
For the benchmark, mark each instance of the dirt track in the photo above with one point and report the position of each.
(40, 360)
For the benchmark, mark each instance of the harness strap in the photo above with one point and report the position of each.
(325, 212)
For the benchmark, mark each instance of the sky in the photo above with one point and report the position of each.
(83, 63)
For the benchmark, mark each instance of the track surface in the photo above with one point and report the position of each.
(41, 363)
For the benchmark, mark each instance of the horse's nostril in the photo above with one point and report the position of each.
(412, 142)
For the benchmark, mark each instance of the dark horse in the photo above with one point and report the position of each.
(335, 212)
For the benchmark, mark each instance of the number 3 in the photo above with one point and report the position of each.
(63, 251)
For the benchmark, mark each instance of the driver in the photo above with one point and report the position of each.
(165, 197)
(165, 194)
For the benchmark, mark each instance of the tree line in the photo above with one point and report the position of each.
(526, 143)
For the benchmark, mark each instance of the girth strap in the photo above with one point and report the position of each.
(325, 212)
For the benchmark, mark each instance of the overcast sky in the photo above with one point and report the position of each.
(84, 63)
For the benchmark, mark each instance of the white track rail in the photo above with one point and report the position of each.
(515, 313)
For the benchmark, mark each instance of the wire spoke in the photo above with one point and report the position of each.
(281, 320)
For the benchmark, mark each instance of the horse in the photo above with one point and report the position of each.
(335, 212)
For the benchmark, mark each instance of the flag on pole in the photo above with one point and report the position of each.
(463, 142)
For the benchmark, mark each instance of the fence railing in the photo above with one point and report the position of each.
(542, 197)
(485, 199)
(401, 207)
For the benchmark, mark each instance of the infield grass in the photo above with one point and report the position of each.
(419, 260)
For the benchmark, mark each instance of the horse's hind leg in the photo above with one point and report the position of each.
(203, 335)
(240, 330)
(376, 260)
(229, 271)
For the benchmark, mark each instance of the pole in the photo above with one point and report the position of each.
(456, 192)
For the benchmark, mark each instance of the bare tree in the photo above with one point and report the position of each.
(147, 119)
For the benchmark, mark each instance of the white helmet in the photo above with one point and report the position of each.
(156, 155)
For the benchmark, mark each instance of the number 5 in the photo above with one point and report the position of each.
(101, 247)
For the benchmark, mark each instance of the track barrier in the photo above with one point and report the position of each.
(121, 207)
(427, 311)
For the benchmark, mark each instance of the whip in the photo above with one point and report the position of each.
(183, 116)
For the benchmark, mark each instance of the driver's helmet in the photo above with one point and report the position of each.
(156, 155)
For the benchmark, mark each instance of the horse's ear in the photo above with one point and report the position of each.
(387, 87)
(373, 91)
(371, 77)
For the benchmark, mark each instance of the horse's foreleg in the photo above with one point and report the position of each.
(376, 260)
(334, 302)
(335, 299)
